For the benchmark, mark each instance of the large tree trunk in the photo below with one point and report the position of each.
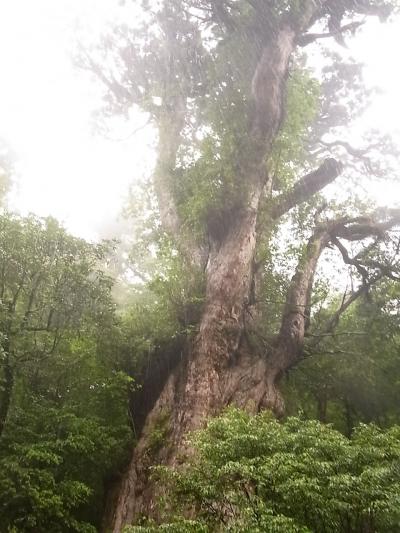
(218, 368)
(175, 414)
(215, 371)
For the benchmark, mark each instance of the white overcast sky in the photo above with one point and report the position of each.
(46, 106)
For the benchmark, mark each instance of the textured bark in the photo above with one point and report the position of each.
(195, 390)
(288, 346)
(268, 85)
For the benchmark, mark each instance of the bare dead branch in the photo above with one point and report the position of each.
(355, 152)
(109, 81)
(333, 321)
(350, 260)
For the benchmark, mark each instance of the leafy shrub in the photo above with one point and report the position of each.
(253, 473)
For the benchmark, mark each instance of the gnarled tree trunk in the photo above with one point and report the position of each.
(218, 367)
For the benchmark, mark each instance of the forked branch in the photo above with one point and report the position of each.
(289, 344)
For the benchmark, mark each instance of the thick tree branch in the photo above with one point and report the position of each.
(169, 138)
(288, 345)
(306, 187)
(170, 125)
(362, 227)
(336, 10)
(360, 154)
(339, 8)
(280, 37)
(267, 87)
(361, 263)
(309, 38)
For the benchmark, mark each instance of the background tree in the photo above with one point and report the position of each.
(63, 409)
(50, 282)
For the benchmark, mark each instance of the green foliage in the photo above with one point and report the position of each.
(63, 404)
(180, 526)
(175, 64)
(289, 153)
(163, 308)
(212, 185)
(354, 374)
(164, 302)
(210, 189)
(64, 421)
(209, 182)
(53, 460)
(253, 473)
(50, 280)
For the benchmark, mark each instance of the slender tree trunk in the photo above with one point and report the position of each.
(7, 384)
(348, 418)
(322, 405)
